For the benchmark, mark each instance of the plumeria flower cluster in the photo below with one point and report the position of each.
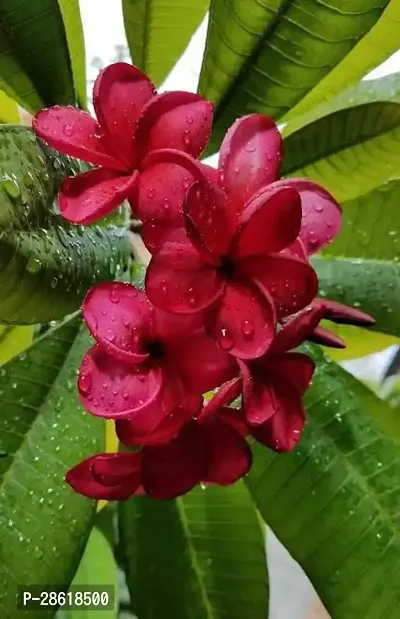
(229, 294)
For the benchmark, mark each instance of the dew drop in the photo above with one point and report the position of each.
(189, 120)
(318, 208)
(114, 296)
(250, 148)
(248, 328)
(151, 193)
(68, 130)
(225, 339)
(85, 383)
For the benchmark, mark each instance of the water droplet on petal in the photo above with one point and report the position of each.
(250, 148)
(318, 207)
(189, 120)
(248, 328)
(114, 296)
(151, 193)
(85, 383)
(68, 130)
(225, 339)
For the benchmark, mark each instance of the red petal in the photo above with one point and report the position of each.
(141, 431)
(292, 283)
(258, 393)
(343, 314)
(113, 389)
(179, 281)
(178, 120)
(118, 316)
(322, 215)
(209, 222)
(296, 368)
(161, 190)
(326, 338)
(75, 133)
(244, 322)
(201, 364)
(155, 235)
(173, 469)
(270, 222)
(119, 94)
(283, 431)
(89, 196)
(116, 468)
(296, 249)
(82, 480)
(225, 395)
(250, 158)
(235, 418)
(297, 329)
(229, 455)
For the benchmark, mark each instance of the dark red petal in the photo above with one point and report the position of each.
(178, 120)
(82, 480)
(119, 316)
(89, 196)
(119, 94)
(291, 283)
(161, 191)
(296, 249)
(322, 215)
(179, 281)
(269, 223)
(173, 327)
(295, 367)
(201, 364)
(113, 389)
(229, 454)
(209, 222)
(250, 158)
(326, 338)
(234, 417)
(75, 133)
(155, 235)
(259, 402)
(244, 322)
(225, 395)
(156, 428)
(173, 469)
(283, 431)
(343, 314)
(297, 329)
(111, 469)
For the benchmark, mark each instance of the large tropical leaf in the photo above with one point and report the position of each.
(35, 67)
(266, 57)
(372, 50)
(8, 109)
(97, 568)
(74, 32)
(13, 340)
(368, 246)
(43, 432)
(201, 556)
(335, 501)
(158, 32)
(46, 264)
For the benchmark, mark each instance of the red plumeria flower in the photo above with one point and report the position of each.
(207, 450)
(147, 366)
(132, 121)
(235, 266)
(249, 160)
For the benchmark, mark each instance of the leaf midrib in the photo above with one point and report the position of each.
(195, 564)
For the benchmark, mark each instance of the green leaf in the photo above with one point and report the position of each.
(201, 556)
(46, 264)
(8, 109)
(158, 32)
(350, 152)
(97, 567)
(43, 432)
(368, 245)
(266, 57)
(74, 32)
(335, 501)
(35, 67)
(13, 340)
(371, 51)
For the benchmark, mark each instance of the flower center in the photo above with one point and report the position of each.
(226, 267)
(155, 349)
